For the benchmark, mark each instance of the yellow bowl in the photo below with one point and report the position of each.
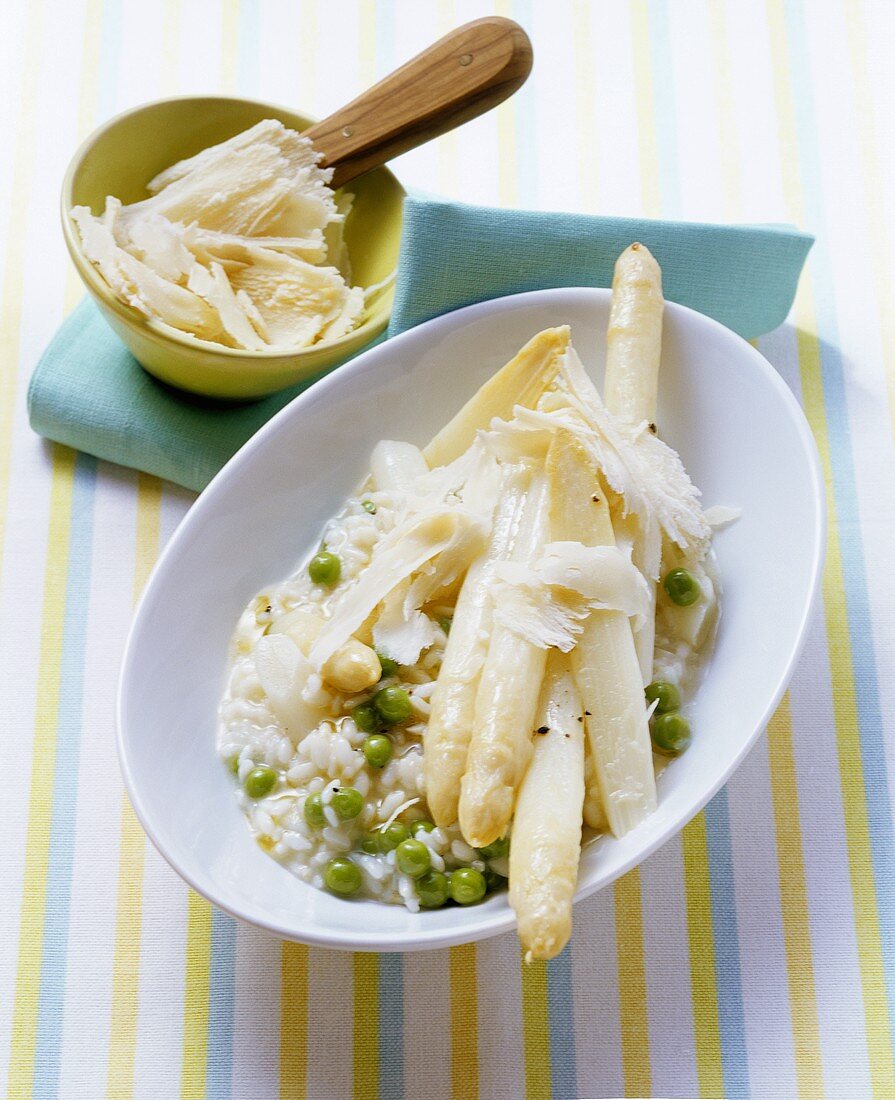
(123, 155)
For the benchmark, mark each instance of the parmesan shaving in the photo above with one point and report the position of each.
(404, 550)
(546, 603)
(241, 245)
(719, 515)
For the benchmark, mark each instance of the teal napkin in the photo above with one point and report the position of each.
(88, 392)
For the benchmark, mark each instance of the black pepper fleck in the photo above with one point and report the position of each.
(580, 717)
(587, 712)
(652, 428)
(595, 499)
(543, 729)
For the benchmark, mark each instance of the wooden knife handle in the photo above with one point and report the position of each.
(462, 75)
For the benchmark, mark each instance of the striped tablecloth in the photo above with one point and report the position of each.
(754, 955)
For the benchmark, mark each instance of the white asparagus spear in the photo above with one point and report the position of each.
(396, 465)
(453, 700)
(283, 671)
(520, 382)
(594, 810)
(633, 353)
(547, 824)
(634, 338)
(506, 700)
(604, 661)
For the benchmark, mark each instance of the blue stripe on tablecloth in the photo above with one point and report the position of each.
(560, 1007)
(854, 571)
(54, 961)
(729, 978)
(391, 1027)
(221, 1005)
(248, 71)
(728, 968)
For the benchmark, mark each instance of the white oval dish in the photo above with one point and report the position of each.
(742, 437)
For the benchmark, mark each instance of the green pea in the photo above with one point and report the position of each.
(347, 802)
(389, 667)
(670, 733)
(369, 506)
(682, 587)
(494, 881)
(664, 694)
(366, 718)
(392, 836)
(371, 844)
(325, 568)
(393, 705)
(313, 811)
(342, 877)
(260, 781)
(445, 623)
(421, 826)
(432, 889)
(496, 850)
(412, 857)
(377, 750)
(467, 886)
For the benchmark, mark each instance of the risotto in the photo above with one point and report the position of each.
(486, 659)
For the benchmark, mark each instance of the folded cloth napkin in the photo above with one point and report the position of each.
(90, 393)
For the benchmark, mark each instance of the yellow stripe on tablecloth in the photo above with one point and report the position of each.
(23, 1036)
(867, 930)
(647, 140)
(585, 61)
(294, 1022)
(171, 42)
(366, 1026)
(706, 1026)
(464, 1023)
(196, 996)
(533, 978)
(535, 1030)
(125, 1005)
(505, 116)
(197, 988)
(633, 1005)
(866, 106)
(230, 47)
(131, 848)
(782, 769)
(366, 966)
(632, 988)
(794, 905)
(845, 714)
(43, 756)
(89, 96)
(366, 70)
(13, 284)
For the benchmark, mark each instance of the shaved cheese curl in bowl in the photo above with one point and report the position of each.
(210, 241)
(525, 585)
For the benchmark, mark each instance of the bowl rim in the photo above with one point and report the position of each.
(504, 919)
(162, 337)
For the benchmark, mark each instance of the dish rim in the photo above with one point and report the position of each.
(503, 920)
